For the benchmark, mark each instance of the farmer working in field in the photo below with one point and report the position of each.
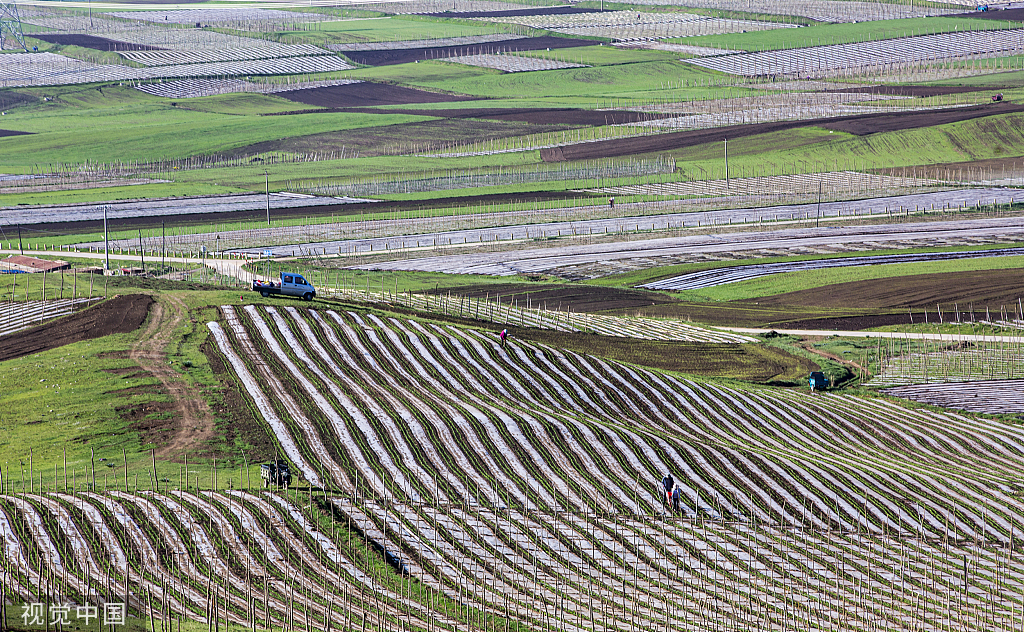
(504, 336)
(668, 483)
(677, 498)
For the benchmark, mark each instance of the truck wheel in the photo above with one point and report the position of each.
(264, 293)
(307, 296)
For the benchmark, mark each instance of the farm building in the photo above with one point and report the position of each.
(20, 263)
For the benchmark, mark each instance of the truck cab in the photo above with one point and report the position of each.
(290, 284)
(818, 381)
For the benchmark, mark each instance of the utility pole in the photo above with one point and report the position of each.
(163, 245)
(728, 185)
(818, 220)
(142, 251)
(20, 246)
(267, 174)
(106, 240)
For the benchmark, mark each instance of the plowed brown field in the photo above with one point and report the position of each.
(410, 55)
(860, 125)
(119, 315)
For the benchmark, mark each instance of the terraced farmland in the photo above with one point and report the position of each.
(258, 560)
(627, 25)
(47, 69)
(237, 557)
(870, 57)
(818, 10)
(721, 276)
(513, 63)
(420, 411)
(15, 316)
(191, 88)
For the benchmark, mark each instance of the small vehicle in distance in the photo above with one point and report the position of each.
(291, 284)
(818, 381)
(276, 474)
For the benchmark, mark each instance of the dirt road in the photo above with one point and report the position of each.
(195, 420)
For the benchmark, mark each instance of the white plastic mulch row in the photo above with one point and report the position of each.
(822, 60)
(685, 49)
(830, 183)
(172, 57)
(629, 25)
(175, 39)
(40, 69)
(513, 63)
(15, 316)
(467, 40)
(229, 14)
(772, 454)
(993, 397)
(404, 7)
(818, 10)
(735, 274)
(191, 88)
(244, 559)
(963, 362)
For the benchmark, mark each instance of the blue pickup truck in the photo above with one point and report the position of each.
(291, 284)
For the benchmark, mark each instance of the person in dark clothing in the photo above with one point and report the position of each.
(677, 498)
(668, 483)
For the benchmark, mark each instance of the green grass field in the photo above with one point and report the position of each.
(842, 33)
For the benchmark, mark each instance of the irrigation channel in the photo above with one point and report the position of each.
(390, 234)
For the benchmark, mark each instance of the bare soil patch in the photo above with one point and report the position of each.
(375, 141)
(1015, 15)
(860, 125)
(912, 120)
(365, 94)
(980, 288)
(10, 99)
(119, 315)
(536, 116)
(11, 132)
(91, 41)
(410, 55)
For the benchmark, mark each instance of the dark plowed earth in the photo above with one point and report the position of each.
(91, 41)
(980, 288)
(119, 315)
(514, 13)
(536, 116)
(11, 132)
(1016, 15)
(366, 94)
(860, 125)
(410, 55)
